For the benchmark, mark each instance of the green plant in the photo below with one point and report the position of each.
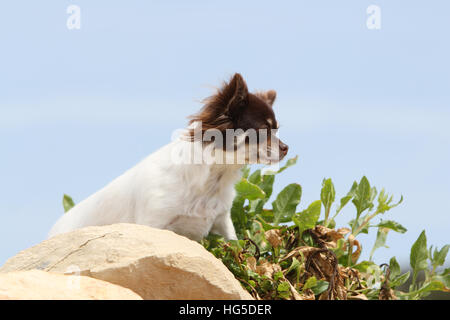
(68, 203)
(286, 253)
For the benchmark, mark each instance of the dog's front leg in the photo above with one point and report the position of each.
(223, 225)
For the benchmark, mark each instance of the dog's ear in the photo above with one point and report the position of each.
(267, 96)
(234, 96)
(222, 109)
(271, 96)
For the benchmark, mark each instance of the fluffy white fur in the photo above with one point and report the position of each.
(189, 199)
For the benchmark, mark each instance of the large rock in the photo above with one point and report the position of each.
(156, 264)
(40, 285)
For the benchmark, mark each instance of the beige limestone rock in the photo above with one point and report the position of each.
(40, 285)
(156, 264)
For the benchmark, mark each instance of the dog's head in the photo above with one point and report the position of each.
(241, 123)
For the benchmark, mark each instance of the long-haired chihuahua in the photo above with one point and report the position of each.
(187, 186)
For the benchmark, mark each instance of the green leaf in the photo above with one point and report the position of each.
(445, 279)
(347, 198)
(212, 241)
(265, 224)
(311, 282)
(252, 283)
(266, 285)
(248, 190)
(288, 164)
(245, 171)
(267, 185)
(331, 224)
(339, 251)
(394, 226)
(328, 193)
(384, 204)
(419, 255)
(286, 202)
(255, 207)
(255, 177)
(307, 219)
(295, 266)
(327, 196)
(278, 275)
(68, 203)
(363, 197)
(320, 287)
(256, 233)
(431, 286)
(439, 256)
(380, 241)
(373, 195)
(354, 224)
(284, 290)
(394, 267)
(400, 280)
(364, 265)
(238, 216)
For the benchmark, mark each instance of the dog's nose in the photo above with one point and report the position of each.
(284, 148)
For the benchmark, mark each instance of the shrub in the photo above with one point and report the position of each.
(286, 253)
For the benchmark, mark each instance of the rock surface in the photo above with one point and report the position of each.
(40, 285)
(156, 264)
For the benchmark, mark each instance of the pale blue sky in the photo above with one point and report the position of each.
(77, 108)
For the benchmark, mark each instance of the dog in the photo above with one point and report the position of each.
(187, 186)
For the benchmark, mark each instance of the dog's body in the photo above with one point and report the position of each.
(191, 199)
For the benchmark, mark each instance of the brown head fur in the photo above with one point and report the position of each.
(233, 107)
